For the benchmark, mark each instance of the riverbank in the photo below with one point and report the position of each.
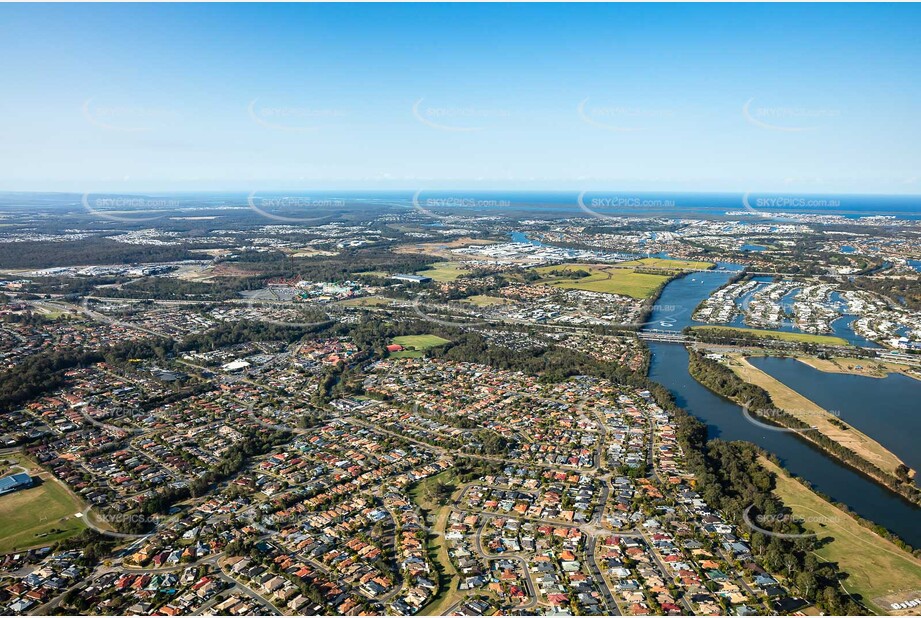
(843, 482)
(824, 422)
(866, 367)
(704, 331)
(879, 571)
(875, 406)
(723, 380)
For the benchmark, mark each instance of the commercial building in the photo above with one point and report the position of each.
(411, 278)
(14, 482)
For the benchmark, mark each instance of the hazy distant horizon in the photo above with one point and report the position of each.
(409, 190)
(680, 97)
(486, 202)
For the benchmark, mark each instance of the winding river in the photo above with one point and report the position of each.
(883, 408)
(669, 367)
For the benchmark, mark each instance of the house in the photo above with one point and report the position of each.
(21, 605)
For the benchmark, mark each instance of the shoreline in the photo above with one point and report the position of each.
(882, 481)
(834, 365)
(809, 412)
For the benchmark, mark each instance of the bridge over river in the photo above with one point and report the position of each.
(663, 335)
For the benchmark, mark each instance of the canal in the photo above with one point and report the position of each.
(669, 367)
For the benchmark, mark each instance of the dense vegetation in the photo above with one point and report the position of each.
(553, 363)
(39, 374)
(907, 289)
(729, 478)
(344, 265)
(723, 381)
(38, 254)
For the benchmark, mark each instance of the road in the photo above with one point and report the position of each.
(664, 572)
(591, 529)
(529, 583)
(443, 451)
(249, 592)
(592, 560)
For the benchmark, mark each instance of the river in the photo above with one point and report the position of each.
(669, 367)
(882, 408)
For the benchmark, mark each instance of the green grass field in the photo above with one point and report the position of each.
(776, 334)
(444, 271)
(876, 567)
(420, 342)
(482, 300)
(610, 279)
(39, 515)
(667, 264)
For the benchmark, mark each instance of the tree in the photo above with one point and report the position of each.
(806, 583)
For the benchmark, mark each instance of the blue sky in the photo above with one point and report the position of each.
(815, 98)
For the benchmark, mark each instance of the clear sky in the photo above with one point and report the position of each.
(820, 98)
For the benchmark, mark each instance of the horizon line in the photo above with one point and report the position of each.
(444, 189)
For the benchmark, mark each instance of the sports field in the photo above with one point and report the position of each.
(416, 344)
(420, 342)
(39, 515)
(876, 567)
(444, 271)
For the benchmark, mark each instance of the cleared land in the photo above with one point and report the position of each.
(445, 271)
(811, 413)
(442, 249)
(304, 252)
(366, 301)
(374, 273)
(866, 367)
(39, 515)
(877, 568)
(605, 278)
(482, 300)
(622, 278)
(667, 264)
(777, 334)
